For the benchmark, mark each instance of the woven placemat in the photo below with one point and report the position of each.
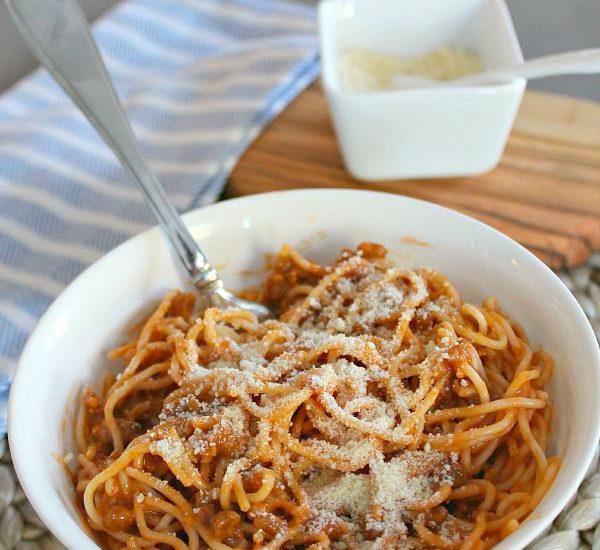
(577, 527)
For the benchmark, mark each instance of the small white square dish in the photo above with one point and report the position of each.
(426, 132)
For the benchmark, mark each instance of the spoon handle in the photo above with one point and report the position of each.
(575, 62)
(58, 34)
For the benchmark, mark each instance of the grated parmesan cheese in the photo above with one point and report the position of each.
(345, 494)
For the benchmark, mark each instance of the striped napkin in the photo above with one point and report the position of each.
(199, 80)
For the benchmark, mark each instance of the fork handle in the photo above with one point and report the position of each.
(59, 36)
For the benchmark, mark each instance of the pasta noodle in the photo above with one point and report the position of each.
(377, 411)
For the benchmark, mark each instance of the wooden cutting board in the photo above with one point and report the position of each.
(545, 193)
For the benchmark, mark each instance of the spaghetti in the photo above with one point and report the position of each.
(376, 411)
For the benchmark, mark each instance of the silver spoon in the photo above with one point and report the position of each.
(574, 62)
(59, 36)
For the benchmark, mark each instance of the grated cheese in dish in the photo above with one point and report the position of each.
(367, 71)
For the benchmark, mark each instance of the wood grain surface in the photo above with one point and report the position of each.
(545, 193)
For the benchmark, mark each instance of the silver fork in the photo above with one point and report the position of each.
(59, 36)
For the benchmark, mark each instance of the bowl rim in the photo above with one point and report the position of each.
(25, 369)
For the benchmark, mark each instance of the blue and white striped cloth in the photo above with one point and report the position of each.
(199, 79)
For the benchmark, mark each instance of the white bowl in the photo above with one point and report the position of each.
(435, 132)
(67, 348)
